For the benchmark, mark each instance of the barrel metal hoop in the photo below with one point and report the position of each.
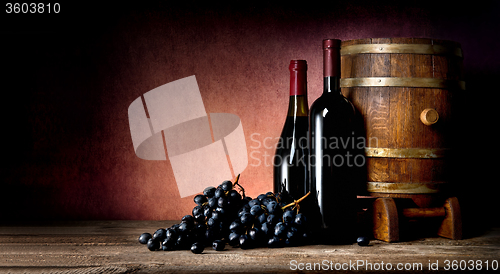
(406, 188)
(419, 153)
(412, 82)
(401, 49)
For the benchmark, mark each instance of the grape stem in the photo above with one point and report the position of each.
(295, 203)
(242, 190)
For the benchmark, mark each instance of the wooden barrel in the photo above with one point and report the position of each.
(404, 88)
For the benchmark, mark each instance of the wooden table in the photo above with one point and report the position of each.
(112, 247)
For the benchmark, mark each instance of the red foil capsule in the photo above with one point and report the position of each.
(298, 77)
(331, 56)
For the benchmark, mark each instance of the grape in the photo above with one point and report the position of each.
(246, 219)
(272, 220)
(153, 244)
(209, 192)
(363, 241)
(209, 236)
(215, 216)
(227, 185)
(183, 241)
(288, 217)
(218, 245)
(262, 218)
(197, 210)
(213, 202)
(212, 223)
(280, 230)
(254, 202)
(199, 218)
(200, 199)
(188, 219)
(274, 242)
(256, 210)
(222, 202)
(219, 193)
(197, 248)
(244, 209)
(306, 236)
(234, 239)
(236, 226)
(160, 234)
(265, 229)
(207, 212)
(234, 197)
(292, 236)
(300, 219)
(261, 197)
(168, 247)
(267, 200)
(273, 208)
(143, 239)
(222, 215)
(184, 228)
(170, 233)
(245, 242)
(256, 235)
(221, 211)
(175, 227)
(169, 244)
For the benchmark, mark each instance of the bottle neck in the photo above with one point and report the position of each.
(298, 77)
(298, 106)
(331, 66)
(331, 84)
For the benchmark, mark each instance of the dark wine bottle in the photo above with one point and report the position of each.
(332, 151)
(290, 160)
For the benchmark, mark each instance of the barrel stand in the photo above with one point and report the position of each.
(387, 217)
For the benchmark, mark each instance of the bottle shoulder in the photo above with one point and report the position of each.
(295, 126)
(332, 102)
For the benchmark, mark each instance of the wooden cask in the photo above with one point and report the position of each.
(404, 88)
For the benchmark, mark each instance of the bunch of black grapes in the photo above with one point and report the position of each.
(224, 216)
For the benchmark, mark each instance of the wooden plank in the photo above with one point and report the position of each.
(112, 247)
(451, 227)
(385, 220)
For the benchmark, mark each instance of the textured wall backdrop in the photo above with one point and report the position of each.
(69, 79)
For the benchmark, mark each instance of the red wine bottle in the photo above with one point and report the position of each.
(290, 160)
(332, 153)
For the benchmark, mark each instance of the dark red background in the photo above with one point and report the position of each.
(69, 78)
